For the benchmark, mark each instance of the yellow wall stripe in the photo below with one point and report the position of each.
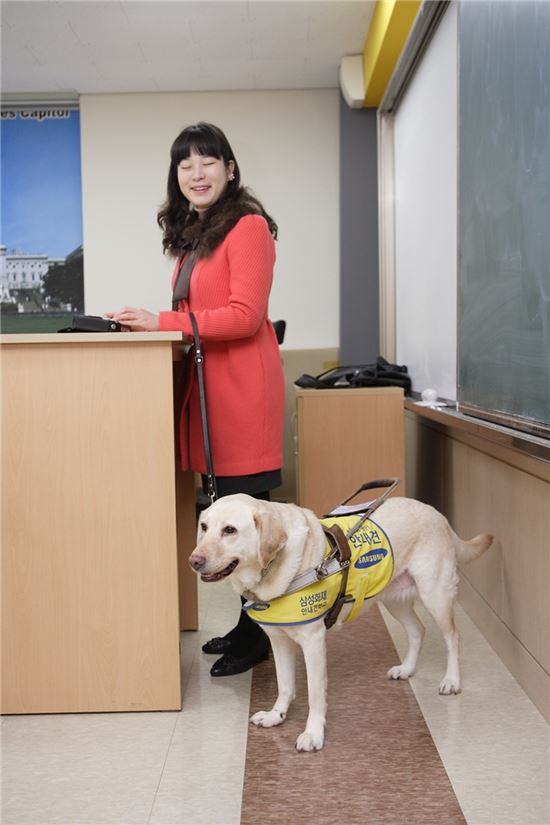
(388, 31)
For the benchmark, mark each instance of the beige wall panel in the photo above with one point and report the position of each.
(514, 577)
(425, 463)
(483, 486)
(286, 143)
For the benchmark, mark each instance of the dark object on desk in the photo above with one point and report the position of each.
(92, 323)
(380, 374)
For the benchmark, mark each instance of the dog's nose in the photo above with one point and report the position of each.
(197, 561)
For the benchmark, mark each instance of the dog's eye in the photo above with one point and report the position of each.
(204, 527)
(229, 530)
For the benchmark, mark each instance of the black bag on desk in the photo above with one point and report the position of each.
(380, 374)
(92, 323)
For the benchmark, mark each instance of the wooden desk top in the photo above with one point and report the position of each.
(90, 337)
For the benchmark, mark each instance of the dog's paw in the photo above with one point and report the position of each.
(449, 687)
(268, 718)
(399, 672)
(310, 741)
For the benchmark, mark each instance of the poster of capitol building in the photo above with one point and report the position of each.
(41, 253)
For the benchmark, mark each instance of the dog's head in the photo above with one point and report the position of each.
(237, 532)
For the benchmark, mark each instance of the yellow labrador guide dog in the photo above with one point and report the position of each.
(298, 573)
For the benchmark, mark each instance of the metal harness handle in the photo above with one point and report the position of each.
(390, 483)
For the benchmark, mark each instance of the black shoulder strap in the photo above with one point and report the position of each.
(199, 361)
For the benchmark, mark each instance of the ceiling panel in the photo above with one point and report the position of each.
(174, 45)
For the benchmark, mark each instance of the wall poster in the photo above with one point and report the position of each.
(41, 250)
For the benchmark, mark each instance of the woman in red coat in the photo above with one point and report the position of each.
(223, 241)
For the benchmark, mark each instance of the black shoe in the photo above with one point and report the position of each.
(229, 665)
(219, 644)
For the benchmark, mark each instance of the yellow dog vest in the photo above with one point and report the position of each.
(370, 571)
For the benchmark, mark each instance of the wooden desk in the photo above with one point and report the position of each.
(90, 527)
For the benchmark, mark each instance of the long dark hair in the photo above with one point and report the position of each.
(176, 217)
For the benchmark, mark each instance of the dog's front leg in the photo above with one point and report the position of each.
(315, 655)
(284, 653)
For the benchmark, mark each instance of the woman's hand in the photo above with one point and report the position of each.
(137, 320)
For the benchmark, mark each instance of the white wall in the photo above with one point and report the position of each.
(286, 143)
(425, 146)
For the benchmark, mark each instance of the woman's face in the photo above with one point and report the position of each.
(203, 179)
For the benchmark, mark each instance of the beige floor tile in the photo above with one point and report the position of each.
(202, 778)
(83, 768)
(493, 741)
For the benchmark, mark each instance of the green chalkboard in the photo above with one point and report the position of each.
(504, 212)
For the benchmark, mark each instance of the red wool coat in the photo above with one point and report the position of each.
(229, 294)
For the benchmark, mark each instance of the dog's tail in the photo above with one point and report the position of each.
(469, 550)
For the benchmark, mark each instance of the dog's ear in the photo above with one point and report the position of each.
(271, 533)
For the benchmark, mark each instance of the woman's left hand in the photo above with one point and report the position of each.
(138, 320)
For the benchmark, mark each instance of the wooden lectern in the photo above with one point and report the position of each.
(92, 524)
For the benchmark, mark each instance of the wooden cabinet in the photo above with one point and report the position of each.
(344, 438)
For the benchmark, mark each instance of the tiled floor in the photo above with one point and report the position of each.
(188, 768)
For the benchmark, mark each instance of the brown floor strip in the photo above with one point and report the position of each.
(379, 765)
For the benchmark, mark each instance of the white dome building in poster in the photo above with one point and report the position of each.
(21, 270)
